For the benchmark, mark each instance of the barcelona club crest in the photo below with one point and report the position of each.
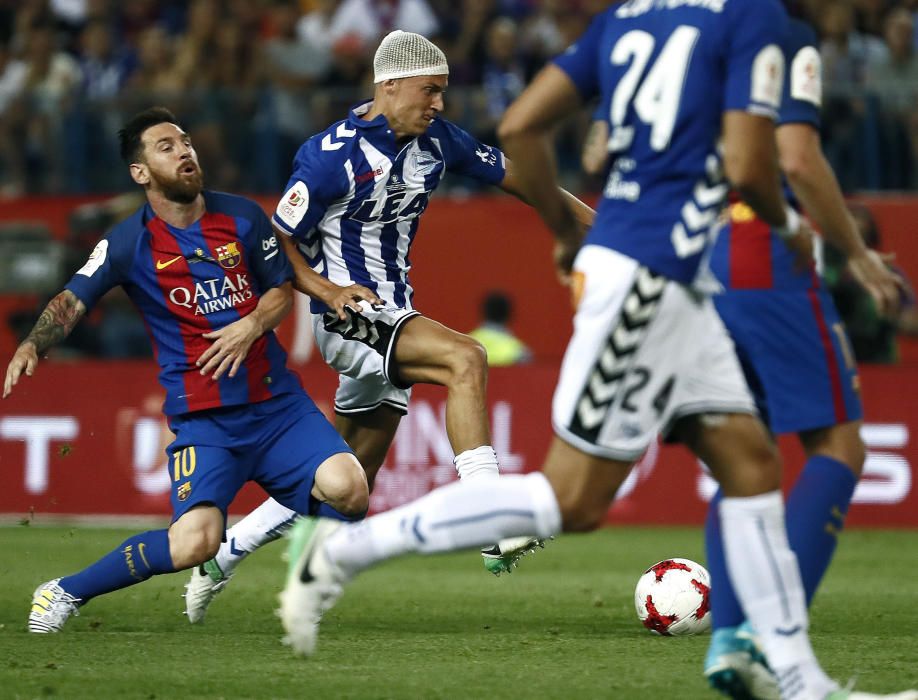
(228, 255)
(184, 491)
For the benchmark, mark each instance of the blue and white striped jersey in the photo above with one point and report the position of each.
(355, 197)
(666, 71)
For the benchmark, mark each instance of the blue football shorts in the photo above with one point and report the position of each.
(796, 357)
(279, 444)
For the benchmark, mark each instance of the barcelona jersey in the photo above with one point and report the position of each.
(191, 281)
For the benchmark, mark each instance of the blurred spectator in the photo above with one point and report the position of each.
(12, 121)
(502, 346)
(895, 76)
(194, 58)
(503, 77)
(292, 66)
(370, 20)
(869, 15)
(543, 36)
(464, 49)
(105, 66)
(895, 80)
(251, 90)
(847, 54)
(52, 80)
(154, 79)
(873, 337)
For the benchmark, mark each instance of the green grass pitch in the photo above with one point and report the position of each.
(563, 626)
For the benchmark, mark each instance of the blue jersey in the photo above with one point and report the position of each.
(187, 282)
(355, 197)
(748, 254)
(668, 70)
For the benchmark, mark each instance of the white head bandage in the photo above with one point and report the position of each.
(405, 55)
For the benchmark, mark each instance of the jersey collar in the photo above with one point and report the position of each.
(355, 117)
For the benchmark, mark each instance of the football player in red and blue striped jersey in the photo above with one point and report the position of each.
(211, 282)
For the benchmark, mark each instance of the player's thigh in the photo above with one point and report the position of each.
(202, 474)
(796, 345)
(370, 434)
(737, 448)
(585, 485)
(429, 352)
(289, 454)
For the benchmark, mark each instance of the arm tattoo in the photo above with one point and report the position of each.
(56, 321)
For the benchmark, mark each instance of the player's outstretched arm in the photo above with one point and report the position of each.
(751, 165)
(813, 181)
(524, 133)
(595, 153)
(55, 323)
(565, 248)
(312, 284)
(232, 342)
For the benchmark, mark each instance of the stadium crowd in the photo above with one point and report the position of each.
(253, 78)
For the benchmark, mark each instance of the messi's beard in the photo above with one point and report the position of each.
(182, 190)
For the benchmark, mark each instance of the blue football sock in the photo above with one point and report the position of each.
(137, 558)
(323, 510)
(816, 509)
(726, 610)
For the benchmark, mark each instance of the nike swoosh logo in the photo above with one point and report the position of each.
(160, 265)
(142, 546)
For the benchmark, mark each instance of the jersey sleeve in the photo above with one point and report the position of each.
(101, 272)
(803, 87)
(318, 179)
(755, 37)
(267, 258)
(466, 155)
(581, 59)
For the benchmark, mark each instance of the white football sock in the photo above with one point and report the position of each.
(472, 464)
(457, 516)
(766, 578)
(265, 524)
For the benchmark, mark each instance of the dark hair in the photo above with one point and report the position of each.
(130, 134)
(497, 307)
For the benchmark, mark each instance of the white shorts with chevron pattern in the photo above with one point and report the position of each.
(361, 350)
(645, 352)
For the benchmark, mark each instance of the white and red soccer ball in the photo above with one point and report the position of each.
(672, 598)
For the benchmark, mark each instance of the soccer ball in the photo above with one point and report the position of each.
(671, 598)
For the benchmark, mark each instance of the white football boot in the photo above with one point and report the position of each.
(313, 585)
(51, 608)
(506, 554)
(205, 583)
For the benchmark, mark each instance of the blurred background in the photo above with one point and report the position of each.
(251, 80)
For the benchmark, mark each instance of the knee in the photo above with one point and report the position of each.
(356, 501)
(346, 489)
(191, 546)
(469, 362)
(757, 472)
(579, 513)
